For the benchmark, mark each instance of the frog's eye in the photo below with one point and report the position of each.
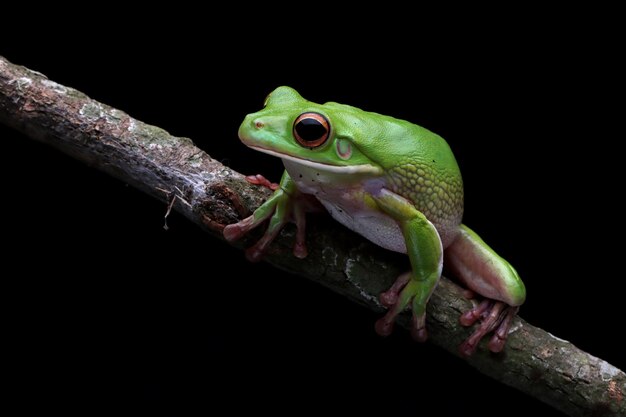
(311, 130)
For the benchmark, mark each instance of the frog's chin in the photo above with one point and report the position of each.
(339, 169)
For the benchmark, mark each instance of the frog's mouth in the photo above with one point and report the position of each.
(337, 169)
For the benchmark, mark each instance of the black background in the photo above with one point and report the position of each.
(109, 312)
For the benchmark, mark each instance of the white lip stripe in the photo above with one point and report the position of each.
(355, 169)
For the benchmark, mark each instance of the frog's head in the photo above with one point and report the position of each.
(316, 135)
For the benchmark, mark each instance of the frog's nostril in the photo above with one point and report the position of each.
(259, 124)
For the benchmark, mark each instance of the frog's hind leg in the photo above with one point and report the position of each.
(477, 266)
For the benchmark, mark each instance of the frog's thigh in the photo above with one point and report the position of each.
(482, 270)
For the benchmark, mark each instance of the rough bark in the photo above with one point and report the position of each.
(211, 195)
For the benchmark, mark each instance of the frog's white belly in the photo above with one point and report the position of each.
(373, 225)
(345, 203)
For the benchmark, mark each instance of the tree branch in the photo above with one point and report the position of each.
(211, 195)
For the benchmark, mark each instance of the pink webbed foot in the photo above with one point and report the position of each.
(494, 316)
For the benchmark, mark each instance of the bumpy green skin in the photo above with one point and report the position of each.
(436, 192)
(392, 181)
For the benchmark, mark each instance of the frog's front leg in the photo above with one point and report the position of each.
(423, 246)
(482, 270)
(286, 204)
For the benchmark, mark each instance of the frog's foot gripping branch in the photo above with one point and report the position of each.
(480, 269)
(396, 299)
(494, 316)
(285, 205)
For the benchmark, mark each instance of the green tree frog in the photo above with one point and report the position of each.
(395, 183)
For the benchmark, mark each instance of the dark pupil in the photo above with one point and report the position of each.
(310, 129)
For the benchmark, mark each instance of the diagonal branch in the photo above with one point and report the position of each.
(211, 195)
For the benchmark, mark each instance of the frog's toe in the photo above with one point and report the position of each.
(255, 253)
(384, 326)
(418, 327)
(259, 179)
(390, 297)
(498, 340)
(396, 299)
(473, 315)
(494, 316)
(236, 231)
(299, 250)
